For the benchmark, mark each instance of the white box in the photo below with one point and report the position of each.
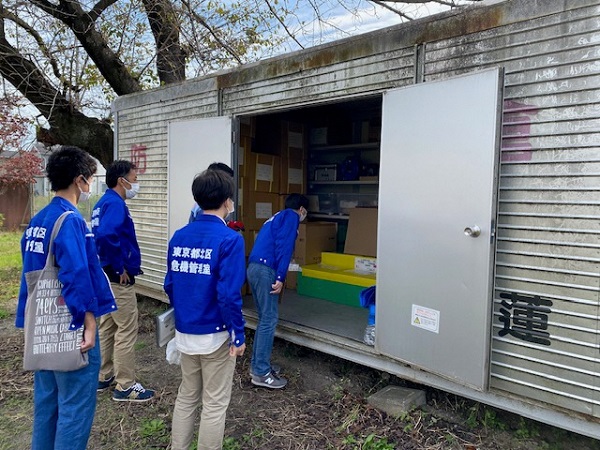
(165, 327)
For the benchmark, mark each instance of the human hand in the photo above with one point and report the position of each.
(237, 351)
(124, 278)
(277, 287)
(89, 332)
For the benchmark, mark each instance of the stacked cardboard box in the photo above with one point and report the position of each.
(293, 159)
(266, 179)
(313, 239)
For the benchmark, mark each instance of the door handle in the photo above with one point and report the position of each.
(473, 231)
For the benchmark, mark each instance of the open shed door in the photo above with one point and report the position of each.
(193, 146)
(437, 206)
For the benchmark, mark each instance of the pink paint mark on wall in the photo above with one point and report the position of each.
(138, 157)
(516, 131)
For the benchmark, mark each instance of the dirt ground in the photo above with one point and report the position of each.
(323, 407)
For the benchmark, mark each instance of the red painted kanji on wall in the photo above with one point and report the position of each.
(138, 157)
(516, 130)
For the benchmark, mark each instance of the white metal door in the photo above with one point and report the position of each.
(437, 200)
(193, 146)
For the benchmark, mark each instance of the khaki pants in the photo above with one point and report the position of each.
(118, 334)
(205, 379)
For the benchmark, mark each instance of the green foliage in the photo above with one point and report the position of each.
(139, 346)
(337, 392)
(230, 443)
(153, 428)
(10, 250)
(527, 429)
(371, 442)
(1, 220)
(491, 420)
(10, 271)
(472, 419)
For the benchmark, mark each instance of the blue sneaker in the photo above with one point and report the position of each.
(135, 393)
(103, 385)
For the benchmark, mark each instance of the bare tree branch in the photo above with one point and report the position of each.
(389, 8)
(99, 8)
(288, 32)
(38, 39)
(107, 61)
(212, 32)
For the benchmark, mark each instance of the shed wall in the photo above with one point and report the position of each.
(548, 247)
(548, 237)
(142, 137)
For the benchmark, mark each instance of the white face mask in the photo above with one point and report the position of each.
(230, 212)
(303, 215)
(130, 193)
(84, 196)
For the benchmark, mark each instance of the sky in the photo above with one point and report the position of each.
(368, 17)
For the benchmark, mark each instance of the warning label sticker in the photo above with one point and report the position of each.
(426, 318)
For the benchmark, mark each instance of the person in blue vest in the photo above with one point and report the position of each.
(120, 259)
(196, 210)
(205, 274)
(65, 402)
(267, 268)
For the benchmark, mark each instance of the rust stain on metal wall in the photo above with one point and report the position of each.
(461, 24)
(297, 63)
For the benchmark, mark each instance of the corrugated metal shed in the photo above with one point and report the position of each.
(548, 246)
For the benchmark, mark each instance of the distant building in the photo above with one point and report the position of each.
(15, 203)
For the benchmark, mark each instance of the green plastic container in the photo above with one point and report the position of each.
(342, 293)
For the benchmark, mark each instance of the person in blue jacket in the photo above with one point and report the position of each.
(196, 210)
(205, 274)
(65, 402)
(267, 267)
(120, 259)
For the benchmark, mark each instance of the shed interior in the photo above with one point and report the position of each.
(331, 154)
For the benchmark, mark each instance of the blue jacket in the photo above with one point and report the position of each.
(85, 287)
(205, 273)
(275, 242)
(114, 231)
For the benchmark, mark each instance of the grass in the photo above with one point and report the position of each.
(10, 271)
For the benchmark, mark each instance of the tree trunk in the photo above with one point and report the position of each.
(170, 58)
(67, 125)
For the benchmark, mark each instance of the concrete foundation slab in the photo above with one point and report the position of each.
(396, 400)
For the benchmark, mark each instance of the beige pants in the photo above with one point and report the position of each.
(205, 379)
(118, 334)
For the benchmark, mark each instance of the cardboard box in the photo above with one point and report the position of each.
(244, 151)
(248, 126)
(282, 198)
(291, 280)
(293, 176)
(293, 139)
(361, 238)
(258, 207)
(313, 239)
(263, 172)
(249, 239)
